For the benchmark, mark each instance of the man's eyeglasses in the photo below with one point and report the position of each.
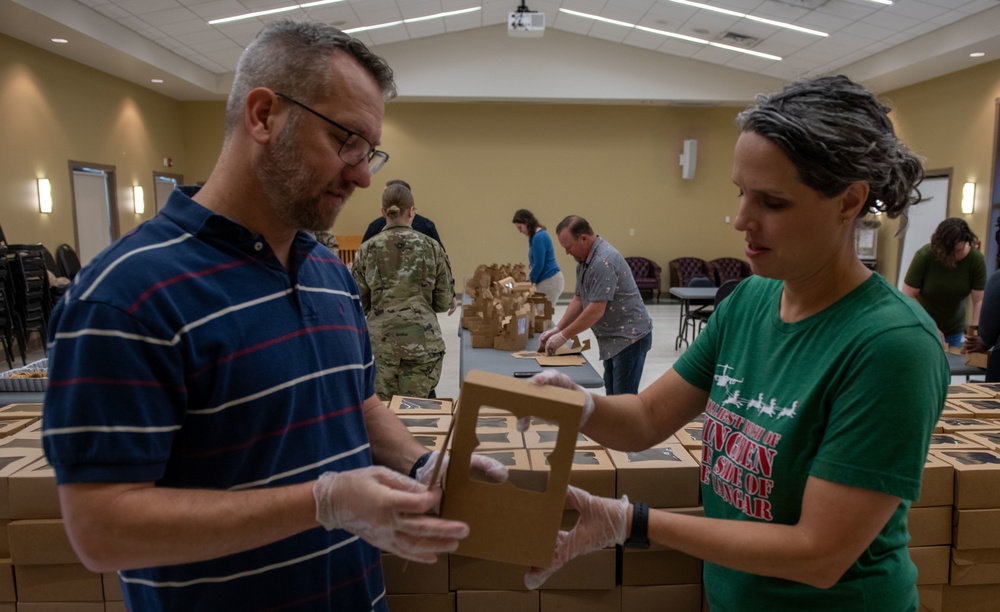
(354, 147)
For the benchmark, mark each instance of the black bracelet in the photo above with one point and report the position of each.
(639, 536)
(419, 463)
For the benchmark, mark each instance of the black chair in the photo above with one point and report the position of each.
(724, 290)
(7, 334)
(697, 308)
(30, 292)
(69, 263)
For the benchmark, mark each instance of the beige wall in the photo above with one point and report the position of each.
(471, 165)
(950, 121)
(55, 111)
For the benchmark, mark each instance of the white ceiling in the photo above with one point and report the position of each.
(885, 46)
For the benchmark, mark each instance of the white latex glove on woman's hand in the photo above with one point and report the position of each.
(602, 524)
(558, 379)
(387, 510)
(493, 469)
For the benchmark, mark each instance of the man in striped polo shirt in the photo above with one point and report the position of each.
(211, 414)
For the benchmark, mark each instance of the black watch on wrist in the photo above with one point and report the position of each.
(419, 463)
(639, 536)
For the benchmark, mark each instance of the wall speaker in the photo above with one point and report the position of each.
(689, 159)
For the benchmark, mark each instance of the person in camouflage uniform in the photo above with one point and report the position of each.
(404, 278)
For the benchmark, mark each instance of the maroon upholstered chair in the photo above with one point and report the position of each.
(646, 274)
(683, 269)
(728, 268)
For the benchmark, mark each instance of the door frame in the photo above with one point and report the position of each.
(111, 187)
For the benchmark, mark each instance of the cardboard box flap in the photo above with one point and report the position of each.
(508, 523)
(573, 346)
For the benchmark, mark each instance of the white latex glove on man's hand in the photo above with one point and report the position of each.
(493, 469)
(553, 342)
(558, 379)
(544, 338)
(387, 510)
(602, 524)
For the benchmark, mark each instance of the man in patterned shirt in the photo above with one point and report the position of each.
(607, 301)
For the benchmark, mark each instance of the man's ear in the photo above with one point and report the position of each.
(260, 114)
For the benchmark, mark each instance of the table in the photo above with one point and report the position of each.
(956, 363)
(698, 296)
(502, 362)
(21, 397)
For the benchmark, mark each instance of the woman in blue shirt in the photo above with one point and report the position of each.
(545, 273)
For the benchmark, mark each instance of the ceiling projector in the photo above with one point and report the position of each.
(525, 23)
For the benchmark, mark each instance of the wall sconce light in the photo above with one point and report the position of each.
(968, 198)
(138, 200)
(44, 196)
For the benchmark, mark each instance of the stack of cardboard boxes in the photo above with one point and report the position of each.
(960, 505)
(39, 572)
(954, 526)
(504, 310)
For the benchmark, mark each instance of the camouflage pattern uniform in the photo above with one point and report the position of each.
(404, 278)
(328, 240)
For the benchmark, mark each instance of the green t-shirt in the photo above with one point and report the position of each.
(850, 395)
(943, 290)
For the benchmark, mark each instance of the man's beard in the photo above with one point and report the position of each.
(286, 180)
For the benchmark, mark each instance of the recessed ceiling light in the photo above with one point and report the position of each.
(977, 54)
(156, 80)
(61, 41)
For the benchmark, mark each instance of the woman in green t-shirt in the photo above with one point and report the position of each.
(820, 383)
(944, 274)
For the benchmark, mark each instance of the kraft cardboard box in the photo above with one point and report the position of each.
(518, 467)
(112, 587)
(70, 582)
(33, 493)
(977, 477)
(426, 602)
(930, 525)
(545, 437)
(596, 570)
(949, 441)
(980, 566)
(432, 442)
(404, 576)
(9, 427)
(937, 486)
(508, 523)
(981, 408)
(69, 606)
(978, 528)
(948, 598)
(660, 566)
(40, 542)
(658, 598)
(933, 563)
(21, 411)
(987, 439)
(952, 425)
(952, 409)
(7, 591)
(12, 460)
(665, 476)
(968, 391)
(991, 388)
(514, 330)
(608, 600)
(426, 423)
(401, 404)
(496, 601)
(592, 470)
(690, 437)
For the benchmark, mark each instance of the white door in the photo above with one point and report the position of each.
(95, 229)
(923, 219)
(163, 184)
